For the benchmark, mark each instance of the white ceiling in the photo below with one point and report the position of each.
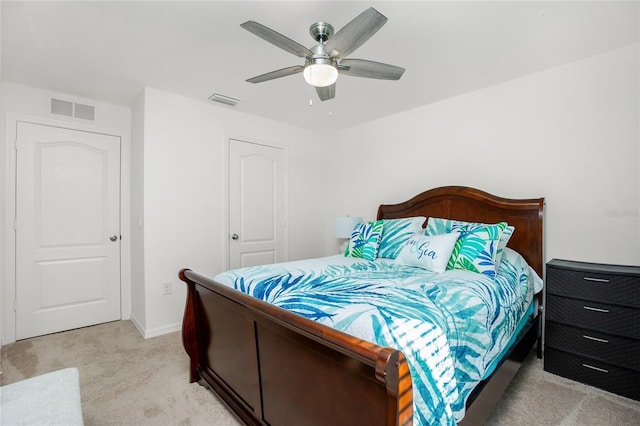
(108, 51)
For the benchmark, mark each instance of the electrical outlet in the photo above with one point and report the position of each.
(166, 288)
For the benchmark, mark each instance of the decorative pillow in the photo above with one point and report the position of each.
(502, 244)
(428, 252)
(476, 248)
(365, 240)
(442, 226)
(396, 232)
(513, 261)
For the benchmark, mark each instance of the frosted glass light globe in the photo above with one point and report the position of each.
(320, 75)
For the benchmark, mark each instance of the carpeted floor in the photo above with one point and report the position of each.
(127, 380)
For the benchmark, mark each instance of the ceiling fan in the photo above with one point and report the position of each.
(324, 61)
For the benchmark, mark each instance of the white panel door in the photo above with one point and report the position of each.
(256, 204)
(67, 229)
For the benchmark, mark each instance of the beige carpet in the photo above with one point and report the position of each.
(124, 379)
(127, 380)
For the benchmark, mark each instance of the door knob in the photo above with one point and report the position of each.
(234, 236)
(113, 238)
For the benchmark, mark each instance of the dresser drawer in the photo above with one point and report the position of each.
(615, 320)
(591, 285)
(602, 375)
(610, 349)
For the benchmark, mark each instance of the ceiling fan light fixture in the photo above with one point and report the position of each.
(320, 74)
(324, 61)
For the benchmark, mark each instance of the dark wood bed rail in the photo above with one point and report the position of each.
(388, 366)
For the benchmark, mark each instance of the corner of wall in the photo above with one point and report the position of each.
(2, 202)
(138, 302)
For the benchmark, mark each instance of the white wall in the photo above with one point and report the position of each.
(27, 103)
(185, 147)
(569, 134)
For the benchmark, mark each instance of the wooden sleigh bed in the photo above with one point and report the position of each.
(260, 359)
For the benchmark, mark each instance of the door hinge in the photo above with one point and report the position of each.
(15, 306)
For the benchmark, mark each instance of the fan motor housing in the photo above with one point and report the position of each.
(321, 31)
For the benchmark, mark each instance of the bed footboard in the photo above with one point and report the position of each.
(274, 367)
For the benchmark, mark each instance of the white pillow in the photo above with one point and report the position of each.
(431, 252)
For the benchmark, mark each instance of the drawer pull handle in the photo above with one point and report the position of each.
(602, 370)
(595, 339)
(589, 308)
(598, 280)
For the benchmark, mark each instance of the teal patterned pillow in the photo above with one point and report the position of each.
(504, 239)
(477, 248)
(437, 226)
(365, 240)
(396, 232)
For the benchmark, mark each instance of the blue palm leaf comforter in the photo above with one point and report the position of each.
(451, 327)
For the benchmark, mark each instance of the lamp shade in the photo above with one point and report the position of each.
(320, 75)
(343, 226)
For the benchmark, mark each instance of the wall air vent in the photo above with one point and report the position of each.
(60, 107)
(71, 109)
(223, 99)
(85, 112)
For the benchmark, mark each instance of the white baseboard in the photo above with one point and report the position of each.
(157, 331)
(137, 324)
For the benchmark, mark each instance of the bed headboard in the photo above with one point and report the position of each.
(474, 205)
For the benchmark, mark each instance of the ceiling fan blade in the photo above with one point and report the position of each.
(355, 33)
(326, 93)
(277, 39)
(370, 69)
(277, 74)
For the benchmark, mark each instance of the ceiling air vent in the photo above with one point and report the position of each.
(71, 109)
(223, 99)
